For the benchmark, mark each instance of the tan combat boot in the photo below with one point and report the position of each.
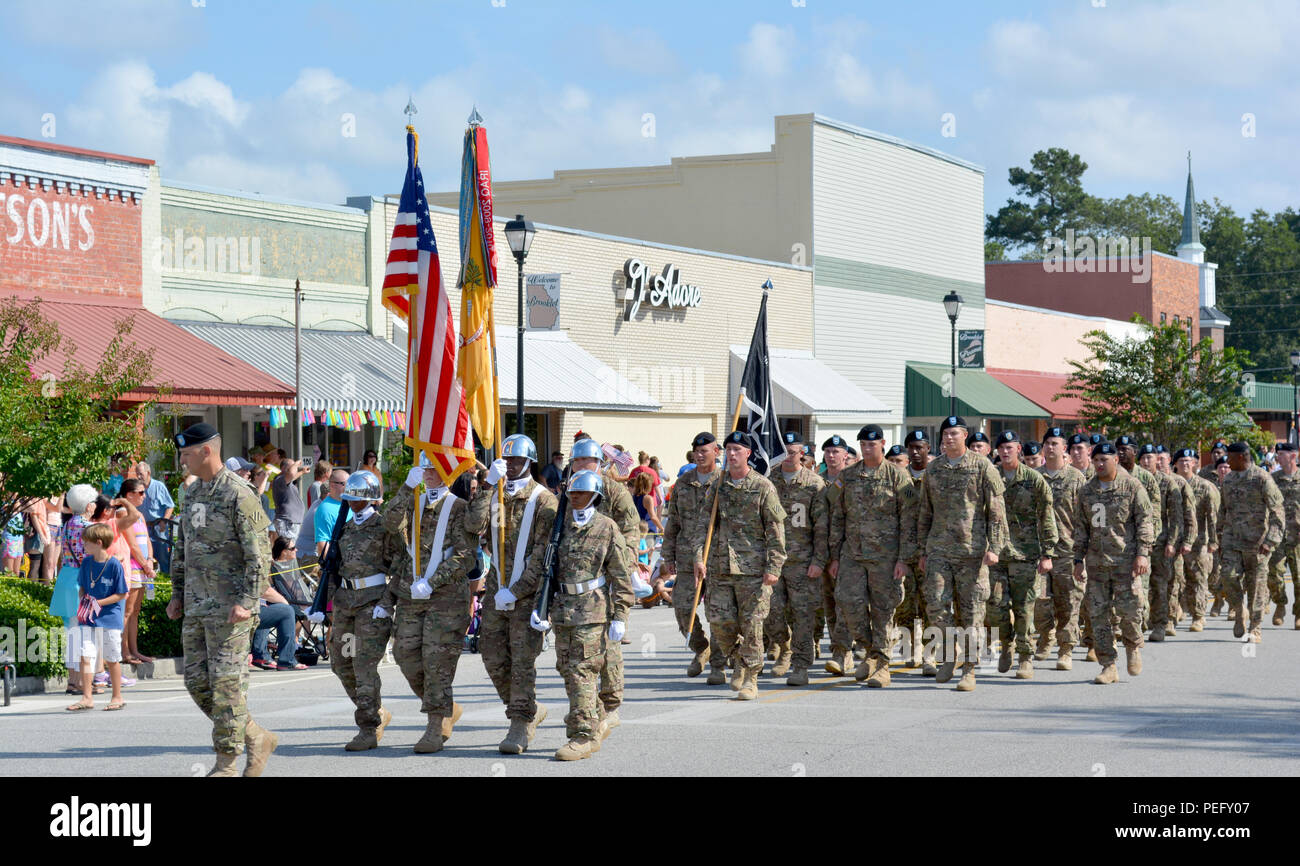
(1157, 635)
(384, 718)
(530, 729)
(928, 667)
(603, 730)
(1092, 654)
(1279, 615)
(880, 676)
(450, 721)
(516, 740)
(1064, 661)
(749, 686)
(1297, 622)
(1170, 628)
(612, 720)
(1108, 675)
(696, 667)
(782, 666)
(840, 664)
(1255, 635)
(1198, 624)
(225, 765)
(798, 677)
(738, 675)
(432, 740)
(1134, 661)
(1044, 643)
(581, 746)
(259, 743)
(1025, 670)
(967, 681)
(364, 741)
(866, 668)
(945, 671)
(1239, 621)
(1004, 661)
(1217, 607)
(717, 676)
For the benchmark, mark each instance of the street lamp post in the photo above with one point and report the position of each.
(519, 234)
(952, 304)
(1295, 397)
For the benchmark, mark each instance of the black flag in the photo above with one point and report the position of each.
(763, 427)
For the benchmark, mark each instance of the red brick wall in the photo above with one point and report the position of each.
(1176, 291)
(108, 268)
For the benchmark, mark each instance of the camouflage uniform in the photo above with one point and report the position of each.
(796, 595)
(828, 615)
(748, 542)
(960, 517)
(1064, 595)
(358, 639)
(1188, 533)
(1214, 582)
(1173, 532)
(1289, 487)
(912, 607)
(869, 535)
(1251, 514)
(1196, 564)
(685, 507)
(509, 645)
(616, 504)
(581, 621)
(1152, 488)
(1112, 526)
(429, 633)
(1031, 531)
(222, 557)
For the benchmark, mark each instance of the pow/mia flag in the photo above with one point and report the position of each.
(763, 427)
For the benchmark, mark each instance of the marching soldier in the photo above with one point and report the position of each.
(430, 606)
(1031, 546)
(360, 623)
(589, 610)
(1064, 593)
(979, 443)
(1164, 464)
(508, 645)
(897, 456)
(1288, 484)
(1126, 446)
(796, 595)
(870, 543)
(912, 614)
(681, 519)
(1113, 538)
(1033, 457)
(615, 502)
(220, 567)
(746, 553)
(1081, 454)
(1210, 471)
(1178, 525)
(1253, 519)
(1220, 471)
(961, 526)
(1196, 563)
(835, 452)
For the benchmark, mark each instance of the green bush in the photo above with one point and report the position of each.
(157, 635)
(21, 602)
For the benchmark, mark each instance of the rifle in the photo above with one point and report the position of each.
(550, 586)
(331, 567)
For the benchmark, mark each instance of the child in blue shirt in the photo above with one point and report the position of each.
(101, 577)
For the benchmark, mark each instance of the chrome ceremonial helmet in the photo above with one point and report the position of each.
(361, 486)
(519, 445)
(588, 481)
(587, 448)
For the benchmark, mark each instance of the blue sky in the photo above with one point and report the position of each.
(253, 95)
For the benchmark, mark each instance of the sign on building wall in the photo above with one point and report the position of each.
(970, 350)
(662, 290)
(542, 302)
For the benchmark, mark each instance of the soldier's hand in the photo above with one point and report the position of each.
(699, 571)
(770, 579)
(1213, 548)
(814, 572)
(1141, 565)
(238, 613)
(900, 571)
(990, 558)
(1265, 550)
(174, 608)
(536, 624)
(833, 568)
(1186, 548)
(1169, 551)
(1044, 565)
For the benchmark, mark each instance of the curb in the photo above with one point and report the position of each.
(160, 669)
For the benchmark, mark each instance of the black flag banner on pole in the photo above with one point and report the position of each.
(763, 427)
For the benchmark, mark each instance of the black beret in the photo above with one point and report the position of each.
(1221, 460)
(1219, 444)
(1056, 432)
(738, 437)
(851, 450)
(1031, 448)
(834, 442)
(870, 433)
(1286, 446)
(895, 451)
(1186, 452)
(1160, 449)
(1147, 448)
(705, 438)
(1125, 440)
(195, 435)
(1103, 448)
(1007, 436)
(953, 421)
(1076, 439)
(1238, 448)
(792, 437)
(1096, 439)
(915, 436)
(977, 436)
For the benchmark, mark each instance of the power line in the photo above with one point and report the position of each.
(1262, 273)
(1237, 333)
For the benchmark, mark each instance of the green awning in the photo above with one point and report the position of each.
(978, 393)
(1272, 397)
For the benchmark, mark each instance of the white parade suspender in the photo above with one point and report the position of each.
(521, 543)
(437, 554)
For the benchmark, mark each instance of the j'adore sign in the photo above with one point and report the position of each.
(657, 290)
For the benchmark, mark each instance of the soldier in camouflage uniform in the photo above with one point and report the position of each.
(589, 610)
(1196, 563)
(1218, 470)
(1178, 524)
(221, 565)
(1113, 538)
(1210, 470)
(1031, 547)
(870, 543)
(795, 596)
(961, 526)
(680, 520)
(1080, 451)
(1288, 484)
(616, 504)
(431, 606)
(1064, 594)
(835, 453)
(745, 556)
(360, 622)
(911, 614)
(1164, 464)
(1253, 519)
(1126, 447)
(509, 646)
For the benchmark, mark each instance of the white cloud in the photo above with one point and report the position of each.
(204, 92)
(768, 53)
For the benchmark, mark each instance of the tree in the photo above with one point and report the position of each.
(1161, 388)
(1057, 201)
(1157, 217)
(56, 431)
(1259, 287)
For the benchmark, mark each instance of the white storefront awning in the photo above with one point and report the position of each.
(560, 374)
(803, 385)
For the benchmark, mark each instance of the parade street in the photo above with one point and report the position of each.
(1203, 706)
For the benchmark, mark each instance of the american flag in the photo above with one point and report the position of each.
(436, 420)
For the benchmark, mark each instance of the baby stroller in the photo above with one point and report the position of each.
(476, 603)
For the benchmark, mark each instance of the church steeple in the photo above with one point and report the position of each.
(1191, 225)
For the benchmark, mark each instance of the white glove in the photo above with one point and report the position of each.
(538, 624)
(421, 589)
(617, 630)
(316, 616)
(504, 599)
(379, 612)
(496, 471)
(415, 477)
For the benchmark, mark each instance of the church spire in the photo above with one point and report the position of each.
(1191, 225)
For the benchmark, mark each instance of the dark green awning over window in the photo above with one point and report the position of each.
(1272, 397)
(978, 393)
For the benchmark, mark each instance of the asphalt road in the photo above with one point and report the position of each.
(1205, 705)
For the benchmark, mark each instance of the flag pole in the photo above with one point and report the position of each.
(713, 515)
(502, 582)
